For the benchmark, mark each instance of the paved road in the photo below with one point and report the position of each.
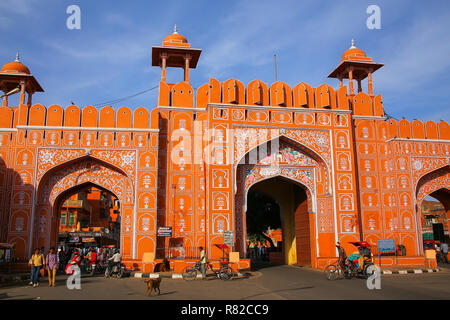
(272, 283)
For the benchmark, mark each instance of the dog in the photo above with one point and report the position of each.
(153, 284)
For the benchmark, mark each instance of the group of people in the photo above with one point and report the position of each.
(39, 261)
(258, 250)
(442, 250)
(71, 260)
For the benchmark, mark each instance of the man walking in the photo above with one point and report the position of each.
(444, 250)
(203, 262)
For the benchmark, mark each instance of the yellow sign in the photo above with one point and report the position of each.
(234, 257)
(430, 254)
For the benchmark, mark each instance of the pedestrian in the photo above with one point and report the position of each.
(36, 262)
(252, 247)
(62, 257)
(52, 262)
(74, 263)
(444, 250)
(203, 262)
(264, 251)
(100, 255)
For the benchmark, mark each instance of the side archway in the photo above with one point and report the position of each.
(437, 185)
(75, 174)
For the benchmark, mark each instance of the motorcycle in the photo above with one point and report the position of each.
(90, 268)
(115, 269)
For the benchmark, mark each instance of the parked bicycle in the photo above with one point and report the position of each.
(224, 272)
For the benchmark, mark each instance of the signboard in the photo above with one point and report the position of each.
(74, 239)
(88, 240)
(164, 231)
(85, 234)
(386, 245)
(228, 238)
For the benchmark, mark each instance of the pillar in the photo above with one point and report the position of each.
(186, 68)
(163, 66)
(350, 81)
(359, 86)
(22, 92)
(340, 83)
(369, 83)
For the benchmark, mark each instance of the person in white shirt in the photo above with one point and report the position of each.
(444, 250)
(116, 258)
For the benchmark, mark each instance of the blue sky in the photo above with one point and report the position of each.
(109, 57)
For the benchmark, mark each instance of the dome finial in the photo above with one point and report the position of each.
(353, 44)
(17, 56)
(175, 29)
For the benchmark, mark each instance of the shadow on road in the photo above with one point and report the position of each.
(163, 294)
(259, 265)
(276, 291)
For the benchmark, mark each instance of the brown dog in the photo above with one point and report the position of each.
(153, 284)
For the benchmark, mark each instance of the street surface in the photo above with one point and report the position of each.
(269, 283)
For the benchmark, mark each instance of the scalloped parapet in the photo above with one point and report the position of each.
(417, 129)
(258, 93)
(74, 117)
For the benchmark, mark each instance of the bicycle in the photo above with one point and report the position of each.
(335, 270)
(225, 272)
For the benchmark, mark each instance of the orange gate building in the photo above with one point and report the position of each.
(339, 168)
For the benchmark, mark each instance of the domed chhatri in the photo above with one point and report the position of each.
(175, 52)
(355, 54)
(15, 75)
(175, 40)
(355, 65)
(15, 67)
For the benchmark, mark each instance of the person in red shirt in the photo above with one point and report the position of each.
(74, 263)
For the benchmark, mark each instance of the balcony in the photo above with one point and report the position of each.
(78, 204)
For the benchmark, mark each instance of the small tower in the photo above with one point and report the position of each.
(355, 65)
(15, 74)
(175, 52)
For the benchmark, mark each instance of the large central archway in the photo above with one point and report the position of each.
(285, 164)
(294, 216)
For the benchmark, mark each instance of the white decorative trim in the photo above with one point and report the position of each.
(369, 117)
(296, 109)
(417, 140)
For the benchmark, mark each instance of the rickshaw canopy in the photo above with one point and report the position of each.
(363, 244)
